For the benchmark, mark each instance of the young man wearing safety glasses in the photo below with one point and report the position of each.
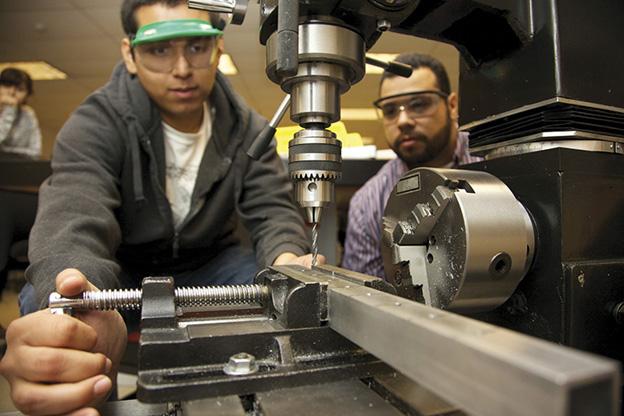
(419, 116)
(149, 177)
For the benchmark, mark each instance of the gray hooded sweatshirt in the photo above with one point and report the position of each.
(104, 207)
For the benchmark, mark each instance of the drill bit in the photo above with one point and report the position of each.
(314, 244)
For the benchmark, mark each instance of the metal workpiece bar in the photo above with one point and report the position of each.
(483, 369)
(373, 282)
(128, 299)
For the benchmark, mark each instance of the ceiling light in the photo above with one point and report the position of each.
(38, 70)
(360, 114)
(371, 69)
(226, 65)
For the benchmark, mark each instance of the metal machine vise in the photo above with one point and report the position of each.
(309, 337)
(312, 336)
(183, 357)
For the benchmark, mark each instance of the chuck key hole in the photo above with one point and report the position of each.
(500, 265)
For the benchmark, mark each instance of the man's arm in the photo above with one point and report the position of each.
(58, 364)
(362, 251)
(76, 225)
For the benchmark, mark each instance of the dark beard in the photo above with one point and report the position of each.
(433, 146)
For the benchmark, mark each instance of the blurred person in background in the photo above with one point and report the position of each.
(19, 128)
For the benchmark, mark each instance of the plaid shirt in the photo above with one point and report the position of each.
(363, 240)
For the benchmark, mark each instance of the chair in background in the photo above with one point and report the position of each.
(17, 215)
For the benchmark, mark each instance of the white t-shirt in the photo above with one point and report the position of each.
(183, 154)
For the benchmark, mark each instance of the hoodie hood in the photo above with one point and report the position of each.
(129, 99)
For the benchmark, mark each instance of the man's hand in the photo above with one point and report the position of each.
(57, 364)
(291, 258)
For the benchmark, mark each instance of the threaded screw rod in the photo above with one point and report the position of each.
(128, 299)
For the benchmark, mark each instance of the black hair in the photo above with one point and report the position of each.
(417, 60)
(129, 7)
(16, 77)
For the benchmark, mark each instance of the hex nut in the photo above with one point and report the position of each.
(241, 364)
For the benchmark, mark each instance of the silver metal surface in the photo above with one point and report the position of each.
(217, 406)
(235, 10)
(316, 90)
(483, 369)
(281, 110)
(194, 321)
(323, 157)
(218, 6)
(314, 137)
(313, 195)
(219, 295)
(323, 42)
(314, 244)
(416, 396)
(241, 364)
(314, 161)
(57, 305)
(460, 237)
(578, 140)
(128, 299)
(331, 59)
(343, 398)
(314, 214)
(127, 407)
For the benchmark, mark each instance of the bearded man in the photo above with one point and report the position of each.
(419, 115)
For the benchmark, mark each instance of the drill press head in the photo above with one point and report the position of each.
(315, 57)
(330, 58)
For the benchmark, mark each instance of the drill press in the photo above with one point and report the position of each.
(314, 58)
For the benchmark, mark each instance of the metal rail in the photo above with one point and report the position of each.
(481, 368)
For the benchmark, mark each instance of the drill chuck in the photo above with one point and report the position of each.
(314, 164)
